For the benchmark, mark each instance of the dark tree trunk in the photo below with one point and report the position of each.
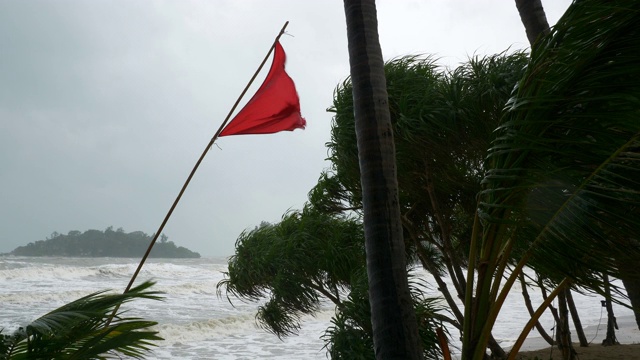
(533, 18)
(631, 284)
(395, 327)
(564, 335)
(612, 325)
(553, 310)
(450, 257)
(527, 302)
(633, 291)
(497, 352)
(576, 320)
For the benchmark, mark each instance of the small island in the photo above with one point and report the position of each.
(107, 243)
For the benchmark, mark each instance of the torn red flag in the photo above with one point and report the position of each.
(274, 107)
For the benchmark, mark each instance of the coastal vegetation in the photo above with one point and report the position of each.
(85, 329)
(319, 252)
(307, 259)
(508, 161)
(107, 243)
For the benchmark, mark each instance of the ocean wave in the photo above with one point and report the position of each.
(47, 296)
(240, 324)
(6, 264)
(208, 329)
(206, 287)
(30, 271)
(45, 273)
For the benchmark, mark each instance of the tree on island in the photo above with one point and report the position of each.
(108, 243)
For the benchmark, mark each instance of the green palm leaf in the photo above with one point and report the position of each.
(83, 329)
(563, 188)
(567, 157)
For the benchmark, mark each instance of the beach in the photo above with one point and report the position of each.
(592, 352)
(628, 335)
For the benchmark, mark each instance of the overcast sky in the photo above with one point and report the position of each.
(105, 106)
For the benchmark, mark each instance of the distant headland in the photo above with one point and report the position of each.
(107, 243)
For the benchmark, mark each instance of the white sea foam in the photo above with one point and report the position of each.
(44, 272)
(208, 329)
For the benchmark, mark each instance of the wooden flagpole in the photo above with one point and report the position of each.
(193, 171)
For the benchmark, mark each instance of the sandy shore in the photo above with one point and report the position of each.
(592, 352)
(628, 335)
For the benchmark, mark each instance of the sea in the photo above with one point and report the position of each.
(197, 322)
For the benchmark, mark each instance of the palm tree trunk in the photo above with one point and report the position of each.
(553, 310)
(533, 18)
(497, 352)
(576, 320)
(564, 335)
(631, 283)
(395, 327)
(527, 302)
(612, 324)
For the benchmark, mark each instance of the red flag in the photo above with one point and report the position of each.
(274, 107)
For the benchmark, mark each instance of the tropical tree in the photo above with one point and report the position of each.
(560, 181)
(443, 124)
(304, 262)
(535, 22)
(85, 329)
(415, 85)
(394, 324)
(312, 247)
(562, 173)
(307, 257)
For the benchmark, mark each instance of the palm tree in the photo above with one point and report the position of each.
(395, 329)
(533, 18)
(443, 123)
(83, 329)
(562, 185)
(535, 22)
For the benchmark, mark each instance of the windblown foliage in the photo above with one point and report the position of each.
(350, 335)
(81, 330)
(306, 256)
(301, 263)
(564, 169)
(443, 123)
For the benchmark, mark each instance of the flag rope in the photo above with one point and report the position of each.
(193, 171)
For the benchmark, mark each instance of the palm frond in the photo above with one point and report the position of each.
(563, 189)
(81, 330)
(567, 159)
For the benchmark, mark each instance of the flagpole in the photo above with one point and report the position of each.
(193, 171)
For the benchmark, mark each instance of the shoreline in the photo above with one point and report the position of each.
(627, 334)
